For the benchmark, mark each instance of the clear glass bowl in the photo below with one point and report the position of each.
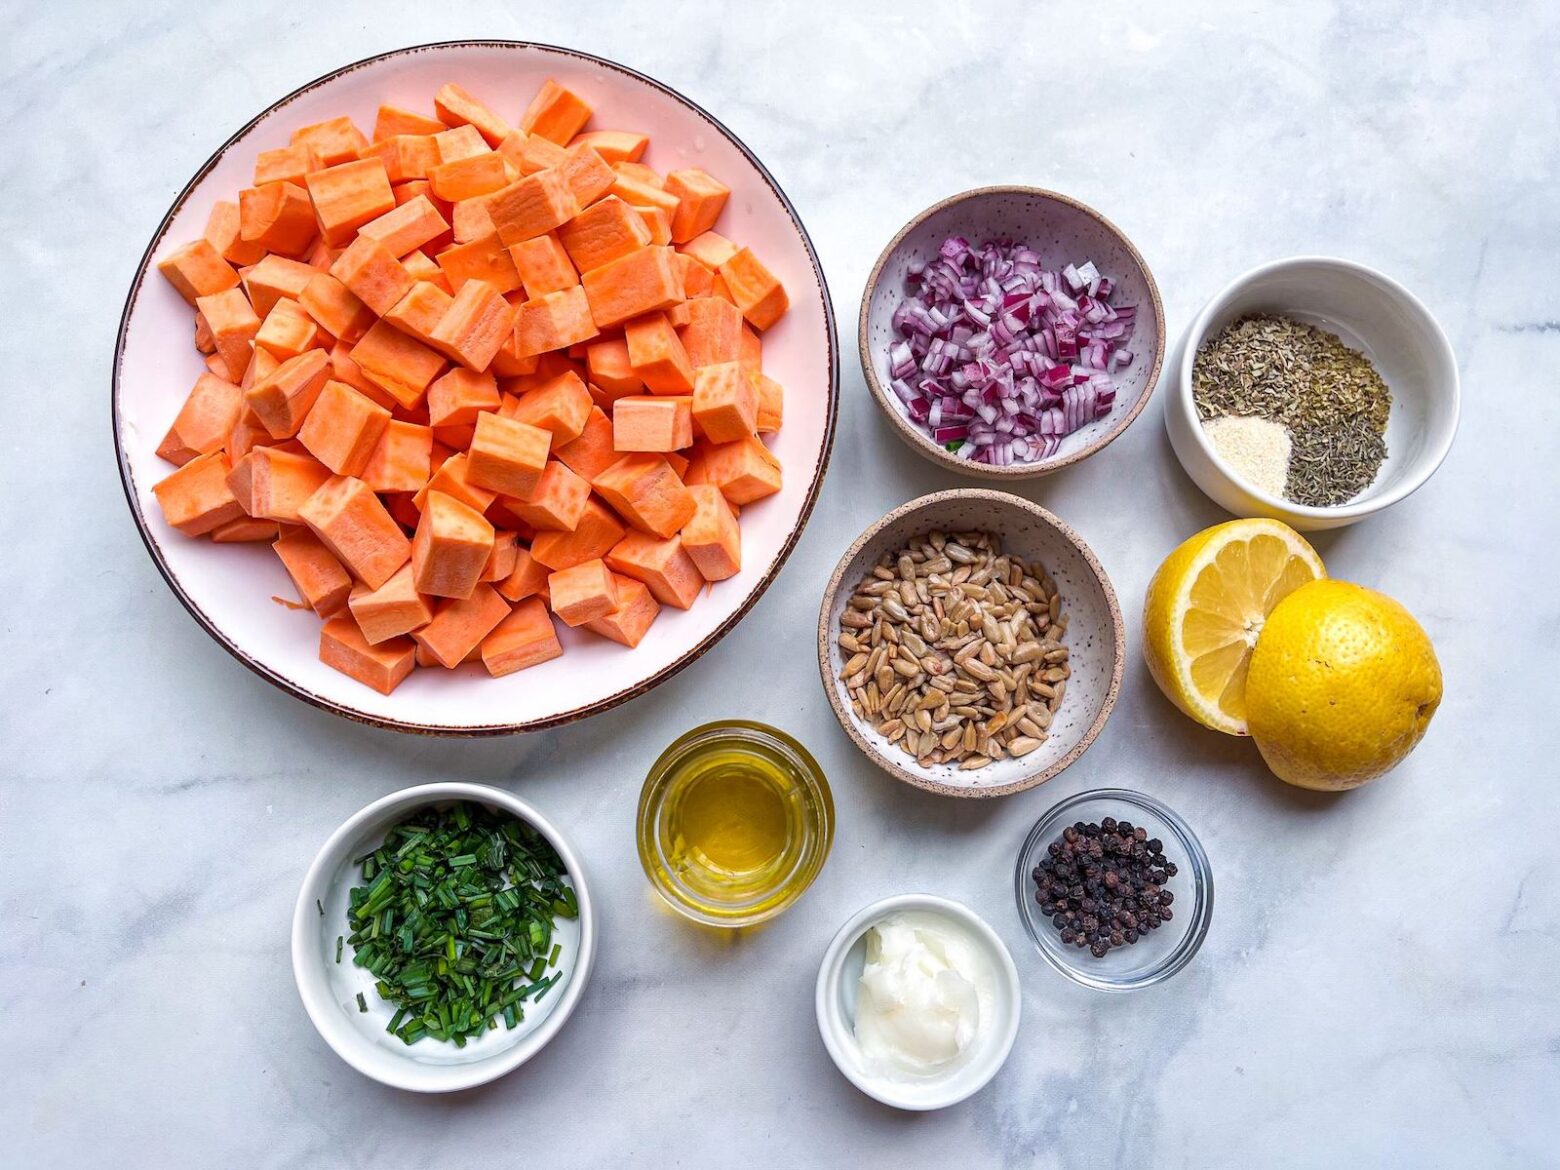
(1160, 953)
(702, 889)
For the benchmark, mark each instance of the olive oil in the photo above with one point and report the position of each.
(734, 822)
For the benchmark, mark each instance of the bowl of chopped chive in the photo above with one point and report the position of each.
(442, 937)
(1314, 391)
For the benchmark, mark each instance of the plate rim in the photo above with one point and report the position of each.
(294, 687)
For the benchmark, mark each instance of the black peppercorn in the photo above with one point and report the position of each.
(1102, 884)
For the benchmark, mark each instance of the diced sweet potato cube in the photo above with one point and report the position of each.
(216, 366)
(591, 452)
(460, 624)
(344, 647)
(751, 350)
(771, 405)
(337, 140)
(710, 248)
(284, 396)
(456, 107)
(451, 476)
(205, 420)
(402, 459)
(459, 396)
(322, 584)
(614, 145)
(197, 270)
(418, 313)
(347, 196)
(393, 120)
(245, 530)
(587, 174)
(373, 274)
(595, 534)
(343, 428)
(697, 280)
(602, 233)
(583, 592)
(744, 470)
(392, 610)
(470, 221)
(556, 503)
(507, 455)
(407, 227)
(611, 368)
(556, 321)
(286, 164)
(225, 232)
(275, 277)
(481, 259)
(555, 113)
(531, 206)
(700, 200)
(426, 271)
(725, 402)
(352, 522)
(646, 491)
(196, 499)
(451, 547)
(277, 215)
(544, 266)
(398, 363)
(561, 406)
(501, 561)
(636, 191)
(474, 326)
(287, 330)
(711, 537)
(630, 286)
(460, 142)
(272, 483)
(754, 288)
(321, 256)
(630, 621)
(659, 224)
(711, 331)
(651, 423)
(662, 565)
(532, 153)
(469, 178)
(641, 173)
(658, 355)
(344, 369)
(527, 578)
(335, 308)
(525, 638)
(406, 157)
(247, 434)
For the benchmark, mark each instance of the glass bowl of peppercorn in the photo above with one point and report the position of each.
(1114, 889)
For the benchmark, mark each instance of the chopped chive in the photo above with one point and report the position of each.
(320, 906)
(552, 959)
(362, 1003)
(339, 941)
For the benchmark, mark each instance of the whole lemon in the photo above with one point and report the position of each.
(1342, 685)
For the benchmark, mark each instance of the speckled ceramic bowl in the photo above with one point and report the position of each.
(228, 588)
(1062, 230)
(1095, 635)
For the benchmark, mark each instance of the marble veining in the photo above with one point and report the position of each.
(1378, 987)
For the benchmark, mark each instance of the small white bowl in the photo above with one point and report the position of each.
(329, 990)
(1369, 312)
(840, 974)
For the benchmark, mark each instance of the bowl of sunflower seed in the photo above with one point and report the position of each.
(970, 643)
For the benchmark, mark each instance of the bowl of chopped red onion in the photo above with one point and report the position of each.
(1008, 332)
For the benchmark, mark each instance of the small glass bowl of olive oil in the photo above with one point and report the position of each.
(735, 821)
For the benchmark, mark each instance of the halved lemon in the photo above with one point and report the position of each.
(1206, 606)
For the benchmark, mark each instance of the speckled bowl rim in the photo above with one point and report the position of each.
(297, 689)
(921, 442)
(826, 643)
(1428, 464)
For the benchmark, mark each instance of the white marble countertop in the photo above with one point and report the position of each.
(1379, 986)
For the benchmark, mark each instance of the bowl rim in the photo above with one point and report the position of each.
(1428, 464)
(1197, 931)
(826, 643)
(448, 1078)
(1014, 471)
(831, 970)
(393, 723)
